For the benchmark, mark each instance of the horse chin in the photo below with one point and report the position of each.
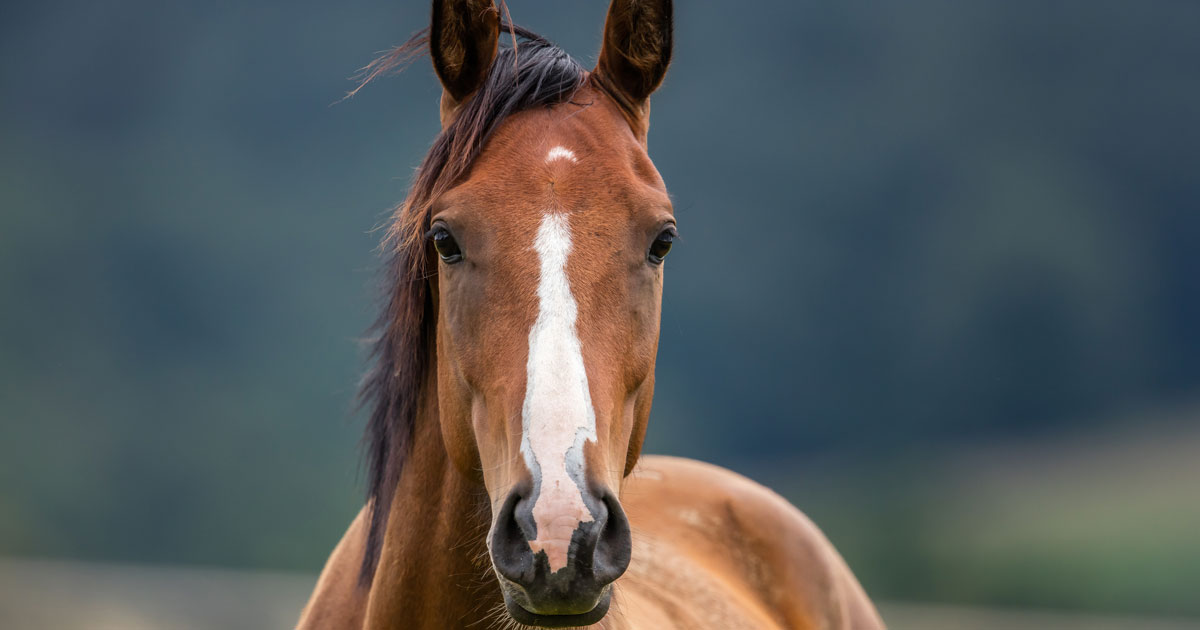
(523, 615)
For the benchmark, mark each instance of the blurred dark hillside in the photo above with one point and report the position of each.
(906, 228)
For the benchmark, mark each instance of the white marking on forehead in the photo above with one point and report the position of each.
(557, 416)
(560, 153)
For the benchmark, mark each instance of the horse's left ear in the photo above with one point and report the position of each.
(464, 37)
(636, 51)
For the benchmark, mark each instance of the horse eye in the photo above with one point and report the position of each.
(446, 246)
(662, 245)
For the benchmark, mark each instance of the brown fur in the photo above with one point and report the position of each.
(779, 571)
(544, 76)
(710, 549)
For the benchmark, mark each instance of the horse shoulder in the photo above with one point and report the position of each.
(338, 601)
(777, 555)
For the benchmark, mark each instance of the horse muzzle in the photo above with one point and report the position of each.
(578, 591)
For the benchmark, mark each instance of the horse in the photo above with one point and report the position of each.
(513, 372)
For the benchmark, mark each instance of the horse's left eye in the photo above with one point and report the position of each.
(662, 245)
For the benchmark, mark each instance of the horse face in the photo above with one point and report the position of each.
(548, 294)
(549, 283)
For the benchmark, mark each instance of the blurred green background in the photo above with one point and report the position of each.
(939, 282)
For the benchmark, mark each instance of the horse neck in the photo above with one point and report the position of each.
(433, 569)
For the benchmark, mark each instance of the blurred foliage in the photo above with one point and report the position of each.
(906, 228)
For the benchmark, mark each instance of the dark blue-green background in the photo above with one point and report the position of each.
(939, 280)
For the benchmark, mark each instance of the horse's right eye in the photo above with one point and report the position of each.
(447, 248)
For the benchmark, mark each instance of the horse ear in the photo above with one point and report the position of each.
(636, 50)
(463, 40)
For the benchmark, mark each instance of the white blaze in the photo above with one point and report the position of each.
(557, 416)
(560, 153)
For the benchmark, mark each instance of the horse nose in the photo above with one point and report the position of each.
(563, 571)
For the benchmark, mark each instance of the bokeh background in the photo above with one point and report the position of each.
(939, 282)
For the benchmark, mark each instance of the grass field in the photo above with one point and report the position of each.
(51, 595)
(1091, 532)
(1105, 521)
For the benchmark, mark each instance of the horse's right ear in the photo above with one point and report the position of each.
(463, 39)
(636, 51)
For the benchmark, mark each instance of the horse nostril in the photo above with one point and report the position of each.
(510, 540)
(614, 544)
